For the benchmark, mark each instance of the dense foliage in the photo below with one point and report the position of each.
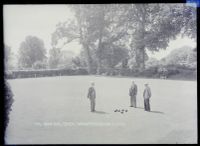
(114, 40)
(31, 50)
(8, 97)
(102, 29)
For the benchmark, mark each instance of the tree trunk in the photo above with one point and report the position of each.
(99, 55)
(140, 58)
(100, 47)
(141, 35)
(143, 59)
(89, 58)
(85, 46)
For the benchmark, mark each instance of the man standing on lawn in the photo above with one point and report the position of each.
(146, 95)
(133, 94)
(92, 96)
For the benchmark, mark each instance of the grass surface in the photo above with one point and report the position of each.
(55, 110)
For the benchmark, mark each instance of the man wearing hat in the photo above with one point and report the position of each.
(133, 94)
(146, 95)
(92, 96)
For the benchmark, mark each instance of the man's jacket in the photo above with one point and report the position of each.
(133, 90)
(91, 93)
(147, 93)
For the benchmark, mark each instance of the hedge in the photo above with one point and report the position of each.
(45, 73)
(152, 72)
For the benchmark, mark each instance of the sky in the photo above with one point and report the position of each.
(40, 20)
(36, 20)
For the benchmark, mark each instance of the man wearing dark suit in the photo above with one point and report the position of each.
(147, 95)
(133, 94)
(92, 96)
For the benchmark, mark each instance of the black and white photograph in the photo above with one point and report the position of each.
(100, 73)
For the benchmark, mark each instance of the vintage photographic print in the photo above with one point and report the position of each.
(100, 73)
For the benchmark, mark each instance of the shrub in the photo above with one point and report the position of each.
(150, 72)
(39, 65)
(126, 72)
(8, 75)
(172, 71)
(8, 96)
(81, 71)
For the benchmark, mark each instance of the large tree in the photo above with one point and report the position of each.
(31, 50)
(97, 30)
(146, 26)
(76, 30)
(110, 33)
(154, 25)
(188, 15)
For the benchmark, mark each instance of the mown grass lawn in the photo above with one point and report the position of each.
(55, 110)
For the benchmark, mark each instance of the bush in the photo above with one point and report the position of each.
(81, 71)
(126, 72)
(51, 72)
(150, 72)
(172, 71)
(8, 102)
(185, 74)
(39, 65)
(178, 66)
(8, 75)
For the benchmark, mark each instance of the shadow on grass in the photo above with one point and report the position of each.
(159, 112)
(140, 107)
(100, 112)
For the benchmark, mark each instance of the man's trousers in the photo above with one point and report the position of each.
(133, 101)
(92, 104)
(146, 105)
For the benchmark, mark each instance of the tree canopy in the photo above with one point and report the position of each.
(31, 50)
(107, 30)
